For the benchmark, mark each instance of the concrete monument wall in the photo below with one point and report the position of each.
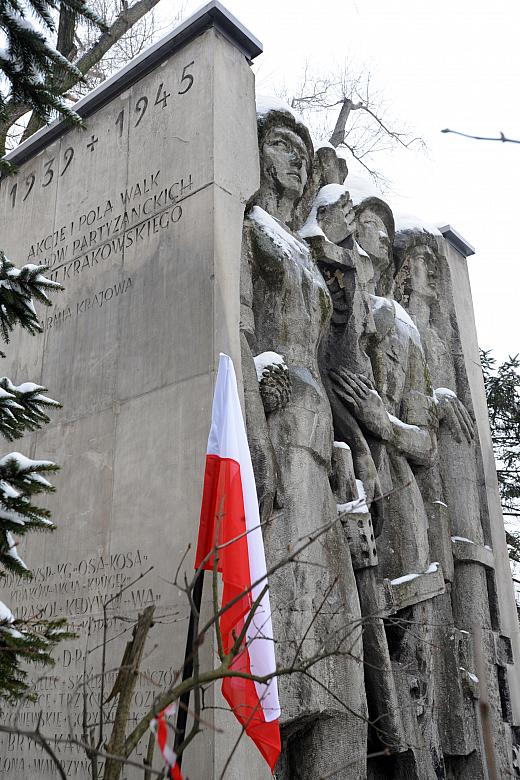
(457, 253)
(139, 216)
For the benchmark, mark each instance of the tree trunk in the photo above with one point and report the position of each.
(65, 45)
(338, 134)
(124, 22)
(124, 686)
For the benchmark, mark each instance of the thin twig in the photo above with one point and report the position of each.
(502, 138)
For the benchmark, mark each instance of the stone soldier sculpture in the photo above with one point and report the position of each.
(423, 284)
(406, 442)
(403, 392)
(329, 231)
(286, 309)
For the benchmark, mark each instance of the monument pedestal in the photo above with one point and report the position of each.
(139, 216)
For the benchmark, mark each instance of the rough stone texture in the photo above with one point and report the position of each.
(424, 285)
(421, 539)
(286, 309)
(505, 606)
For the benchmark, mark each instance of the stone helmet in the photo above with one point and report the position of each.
(379, 207)
(364, 196)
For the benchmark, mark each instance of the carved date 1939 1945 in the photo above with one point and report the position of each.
(49, 170)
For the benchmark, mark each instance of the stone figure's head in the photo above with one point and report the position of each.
(286, 150)
(375, 226)
(375, 229)
(331, 214)
(375, 234)
(417, 258)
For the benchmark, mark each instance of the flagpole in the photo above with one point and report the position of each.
(230, 493)
(184, 701)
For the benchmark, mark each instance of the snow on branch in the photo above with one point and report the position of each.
(23, 408)
(18, 288)
(28, 56)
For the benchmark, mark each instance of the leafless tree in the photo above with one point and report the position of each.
(107, 740)
(344, 108)
(131, 28)
(141, 35)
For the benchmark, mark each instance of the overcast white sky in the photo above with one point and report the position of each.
(441, 64)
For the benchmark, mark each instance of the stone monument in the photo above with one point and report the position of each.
(139, 216)
(183, 223)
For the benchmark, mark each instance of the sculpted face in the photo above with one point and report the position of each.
(421, 268)
(373, 236)
(284, 160)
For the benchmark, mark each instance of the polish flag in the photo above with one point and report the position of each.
(229, 516)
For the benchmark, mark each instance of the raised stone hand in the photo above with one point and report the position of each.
(275, 386)
(454, 415)
(358, 393)
(332, 214)
(338, 224)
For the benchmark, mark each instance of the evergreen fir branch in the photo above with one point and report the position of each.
(9, 557)
(23, 408)
(29, 61)
(42, 11)
(502, 384)
(23, 642)
(32, 68)
(20, 480)
(81, 7)
(18, 288)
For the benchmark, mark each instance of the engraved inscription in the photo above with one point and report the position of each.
(133, 215)
(80, 588)
(97, 301)
(109, 210)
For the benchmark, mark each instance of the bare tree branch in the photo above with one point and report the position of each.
(125, 20)
(124, 687)
(338, 134)
(346, 101)
(50, 752)
(340, 640)
(502, 138)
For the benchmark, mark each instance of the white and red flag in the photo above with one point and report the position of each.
(159, 726)
(229, 516)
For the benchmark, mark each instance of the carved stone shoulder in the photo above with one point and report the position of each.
(273, 245)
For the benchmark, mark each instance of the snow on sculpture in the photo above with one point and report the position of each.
(335, 348)
(423, 284)
(287, 310)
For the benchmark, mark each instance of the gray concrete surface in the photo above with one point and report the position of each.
(140, 217)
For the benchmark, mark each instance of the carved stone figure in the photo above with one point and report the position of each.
(401, 445)
(404, 423)
(423, 284)
(329, 230)
(286, 309)
(333, 354)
